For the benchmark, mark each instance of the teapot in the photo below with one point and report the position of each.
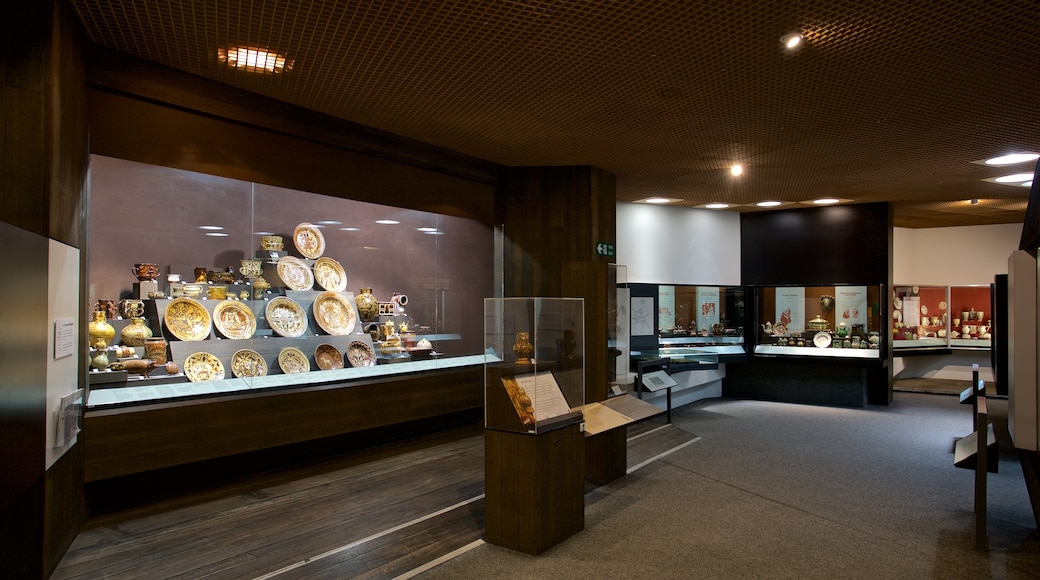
(767, 327)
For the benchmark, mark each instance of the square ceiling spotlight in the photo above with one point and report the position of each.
(254, 59)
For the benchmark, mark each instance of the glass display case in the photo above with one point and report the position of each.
(230, 286)
(971, 319)
(920, 317)
(682, 358)
(820, 321)
(709, 318)
(534, 379)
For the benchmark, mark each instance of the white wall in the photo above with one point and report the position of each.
(673, 245)
(960, 256)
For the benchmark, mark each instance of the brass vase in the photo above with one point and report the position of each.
(135, 333)
(523, 348)
(100, 331)
(367, 305)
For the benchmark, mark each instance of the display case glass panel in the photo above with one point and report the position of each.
(253, 286)
(535, 376)
(709, 318)
(618, 335)
(682, 358)
(820, 321)
(921, 317)
(971, 320)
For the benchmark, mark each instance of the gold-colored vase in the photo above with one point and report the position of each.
(100, 331)
(135, 333)
(367, 305)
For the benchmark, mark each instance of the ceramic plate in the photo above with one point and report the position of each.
(897, 316)
(292, 360)
(942, 305)
(359, 354)
(248, 363)
(286, 317)
(295, 273)
(334, 313)
(187, 319)
(924, 309)
(822, 339)
(897, 304)
(779, 329)
(234, 319)
(309, 240)
(202, 366)
(328, 357)
(330, 275)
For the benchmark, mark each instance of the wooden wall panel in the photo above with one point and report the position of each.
(132, 440)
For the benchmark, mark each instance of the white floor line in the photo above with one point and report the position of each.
(654, 430)
(335, 551)
(660, 455)
(441, 560)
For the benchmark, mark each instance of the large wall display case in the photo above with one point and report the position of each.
(930, 318)
(708, 318)
(820, 321)
(275, 317)
(256, 287)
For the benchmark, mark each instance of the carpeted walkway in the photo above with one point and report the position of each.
(775, 490)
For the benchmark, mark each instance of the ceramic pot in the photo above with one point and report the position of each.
(100, 331)
(271, 243)
(145, 272)
(136, 333)
(260, 287)
(218, 292)
(367, 305)
(155, 349)
(100, 361)
(252, 268)
(523, 348)
(131, 308)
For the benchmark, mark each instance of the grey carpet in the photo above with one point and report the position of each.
(776, 490)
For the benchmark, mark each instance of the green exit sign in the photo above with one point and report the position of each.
(603, 249)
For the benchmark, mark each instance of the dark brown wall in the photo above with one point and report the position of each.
(552, 218)
(42, 195)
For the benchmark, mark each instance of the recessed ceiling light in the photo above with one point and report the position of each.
(717, 206)
(329, 222)
(768, 203)
(263, 233)
(254, 59)
(217, 234)
(211, 228)
(350, 229)
(435, 233)
(791, 40)
(657, 200)
(826, 201)
(426, 229)
(387, 222)
(1012, 158)
(1014, 178)
(737, 169)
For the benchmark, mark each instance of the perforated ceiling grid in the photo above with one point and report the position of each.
(888, 100)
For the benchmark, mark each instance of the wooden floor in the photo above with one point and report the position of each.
(385, 518)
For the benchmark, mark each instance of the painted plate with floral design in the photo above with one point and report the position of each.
(309, 240)
(286, 317)
(292, 360)
(360, 354)
(334, 313)
(202, 366)
(234, 319)
(330, 274)
(187, 319)
(247, 363)
(295, 273)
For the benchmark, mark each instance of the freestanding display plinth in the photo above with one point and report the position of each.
(535, 488)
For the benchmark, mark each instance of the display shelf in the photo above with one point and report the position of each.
(814, 352)
(682, 358)
(135, 395)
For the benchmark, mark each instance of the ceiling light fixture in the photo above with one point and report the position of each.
(768, 203)
(254, 59)
(974, 202)
(1014, 178)
(211, 228)
(826, 201)
(217, 234)
(657, 200)
(737, 169)
(1027, 183)
(329, 223)
(427, 229)
(388, 222)
(791, 40)
(350, 229)
(1012, 158)
(717, 206)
